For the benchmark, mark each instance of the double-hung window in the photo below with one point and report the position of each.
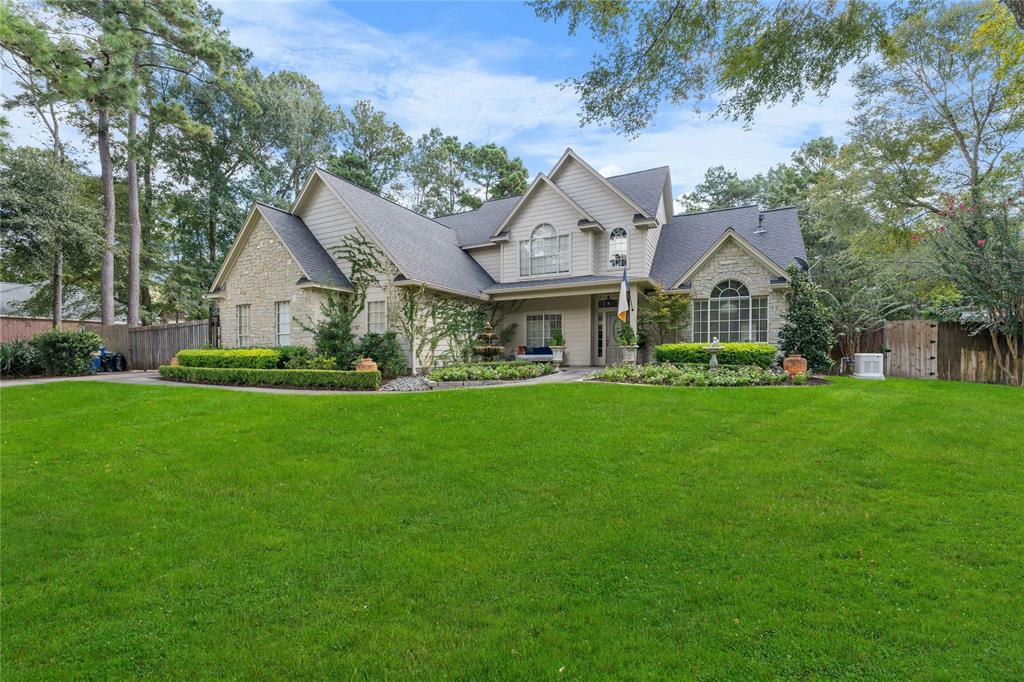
(545, 253)
(243, 326)
(539, 328)
(284, 323)
(377, 317)
(730, 314)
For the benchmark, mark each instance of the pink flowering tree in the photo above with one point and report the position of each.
(979, 248)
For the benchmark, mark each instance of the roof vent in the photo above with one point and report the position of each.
(760, 224)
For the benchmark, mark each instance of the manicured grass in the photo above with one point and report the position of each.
(860, 530)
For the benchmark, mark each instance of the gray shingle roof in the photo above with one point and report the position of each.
(579, 279)
(476, 227)
(643, 187)
(314, 260)
(689, 236)
(423, 250)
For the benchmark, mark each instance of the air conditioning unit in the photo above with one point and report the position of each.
(868, 366)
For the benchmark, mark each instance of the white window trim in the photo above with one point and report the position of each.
(238, 325)
(608, 255)
(277, 323)
(546, 275)
(385, 302)
(532, 313)
(750, 316)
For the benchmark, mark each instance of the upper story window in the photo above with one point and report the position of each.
(618, 244)
(545, 252)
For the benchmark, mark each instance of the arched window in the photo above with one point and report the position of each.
(545, 252)
(617, 248)
(730, 314)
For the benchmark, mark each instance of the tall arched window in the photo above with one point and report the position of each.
(730, 314)
(617, 248)
(545, 252)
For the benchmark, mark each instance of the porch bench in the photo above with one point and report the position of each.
(539, 354)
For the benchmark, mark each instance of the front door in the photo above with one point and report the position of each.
(612, 326)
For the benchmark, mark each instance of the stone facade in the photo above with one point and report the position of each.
(264, 274)
(732, 261)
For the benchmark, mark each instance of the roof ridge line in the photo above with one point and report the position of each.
(780, 208)
(279, 210)
(394, 203)
(645, 170)
(716, 210)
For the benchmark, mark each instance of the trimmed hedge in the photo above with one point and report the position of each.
(291, 378)
(670, 375)
(491, 371)
(759, 354)
(250, 358)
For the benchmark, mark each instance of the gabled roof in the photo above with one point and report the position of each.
(540, 181)
(476, 227)
(570, 154)
(644, 187)
(306, 250)
(688, 237)
(424, 251)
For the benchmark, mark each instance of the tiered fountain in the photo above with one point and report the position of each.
(488, 348)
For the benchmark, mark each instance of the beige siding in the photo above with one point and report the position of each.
(609, 209)
(328, 220)
(543, 206)
(489, 259)
(263, 274)
(576, 324)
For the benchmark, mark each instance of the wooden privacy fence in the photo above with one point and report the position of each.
(152, 346)
(923, 349)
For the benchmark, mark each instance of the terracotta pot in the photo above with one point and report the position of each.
(795, 364)
(366, 365)
(174, 361)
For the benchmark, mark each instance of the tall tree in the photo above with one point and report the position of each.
(353, 168)
(438, 170)
(383, 146)
(496, 175)
(43, 220)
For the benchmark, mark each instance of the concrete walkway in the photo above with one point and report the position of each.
(152, 378)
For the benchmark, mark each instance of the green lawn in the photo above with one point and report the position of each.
(860, 530)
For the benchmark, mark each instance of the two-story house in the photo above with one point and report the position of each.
(553, 257)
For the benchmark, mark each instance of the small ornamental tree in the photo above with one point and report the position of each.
(664, 315)
(980, 250)
(808, 326)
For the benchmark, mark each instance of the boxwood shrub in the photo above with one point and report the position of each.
(65, 353)
(491, 371)
(252, 358)
(290, 378)
(759, 354)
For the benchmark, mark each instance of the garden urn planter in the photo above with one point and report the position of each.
(557, 355)
(795, 364)
(628, 354)
(366, 365)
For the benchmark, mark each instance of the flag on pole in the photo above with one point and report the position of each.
(624, 302)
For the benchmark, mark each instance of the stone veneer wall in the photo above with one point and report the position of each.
(732, 261)
(264, 274)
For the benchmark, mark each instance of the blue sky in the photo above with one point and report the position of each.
(490, 72)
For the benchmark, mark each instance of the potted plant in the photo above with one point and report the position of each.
(627, 344)
(557, 347)
(795, 364)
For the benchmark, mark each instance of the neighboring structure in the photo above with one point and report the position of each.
(15, 324)
(552, 257)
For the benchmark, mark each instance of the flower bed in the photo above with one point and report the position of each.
(289, 378)
(760, 354)
(670, 375)
(491, 371)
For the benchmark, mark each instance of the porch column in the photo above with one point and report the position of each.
(634, 299)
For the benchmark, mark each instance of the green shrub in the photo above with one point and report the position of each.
(290, 378)
(291, 355)
(312, 362)
(252, 358)
(62, 353)
(557, 338)
(385, 351)
(800, 379)
(670, 375)
(760, 354)
(808, 326)
(492, 371)
(19, 358)
(627, 336)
